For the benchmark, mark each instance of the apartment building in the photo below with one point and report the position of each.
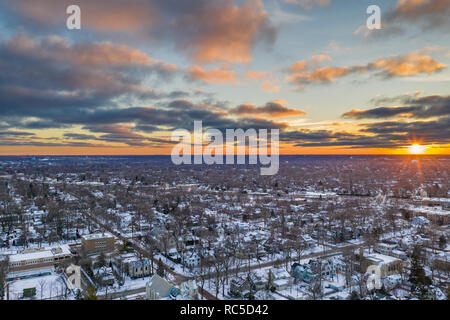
(96, 243)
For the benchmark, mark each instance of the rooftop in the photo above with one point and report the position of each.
(40, 253)
(382, 258)
(93, 236)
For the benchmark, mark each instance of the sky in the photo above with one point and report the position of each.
(138, 70)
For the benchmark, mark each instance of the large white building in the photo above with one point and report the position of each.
(37, 258)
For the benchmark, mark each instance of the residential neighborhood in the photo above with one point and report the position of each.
(224, 159)
(324, 228)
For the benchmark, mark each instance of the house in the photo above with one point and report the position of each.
(388, 265)
(191, 240)
(279, 278)
(308, 241)
(248, 286)
(242, 252)
(165, 241)
(105, 276)
(157, 288)
(125, 219)
(72, 234)
(385, 248)
(340, 235)
(325, 267)
(399, 254)
(173, 255)
(302, 272)
(38, 216)
(259, 280)
(139, 268)
(240, 287)
(122, 261)
(191, 259)
(189, 290)
(419, 221)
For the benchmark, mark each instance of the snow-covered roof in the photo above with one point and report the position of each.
(159, 285)
(97, 236)
(34, 254)
(382, 259)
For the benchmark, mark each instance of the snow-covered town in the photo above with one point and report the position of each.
(141, 228)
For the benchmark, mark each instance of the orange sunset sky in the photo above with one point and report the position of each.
(137, 70)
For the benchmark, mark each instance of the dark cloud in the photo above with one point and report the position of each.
(428, 14)
(41, 125)
(404, 132)
(325, 138)
(15, 133)
(46, 77)
(416, 107)
(79, 136)
(49, 82)
(122, 124)
(418, 16)
(177, 114)
(381, 112)
(319, 138)
(427, 132)
(146, 128)
(116, 134)
(206, 30)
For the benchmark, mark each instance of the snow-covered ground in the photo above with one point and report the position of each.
(47, 287)
(130, 284)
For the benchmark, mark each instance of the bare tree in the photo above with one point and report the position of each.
(42, 284)
(3, 271)
(315, 290)
(361, 279)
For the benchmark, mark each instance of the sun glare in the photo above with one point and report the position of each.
(416, 149)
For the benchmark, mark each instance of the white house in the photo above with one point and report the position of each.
(279, 278)
(191, 259)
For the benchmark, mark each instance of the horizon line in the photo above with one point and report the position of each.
(168, 155)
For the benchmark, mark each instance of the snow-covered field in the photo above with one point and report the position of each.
(47, 287)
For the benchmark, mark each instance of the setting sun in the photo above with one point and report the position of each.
(417, 149)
